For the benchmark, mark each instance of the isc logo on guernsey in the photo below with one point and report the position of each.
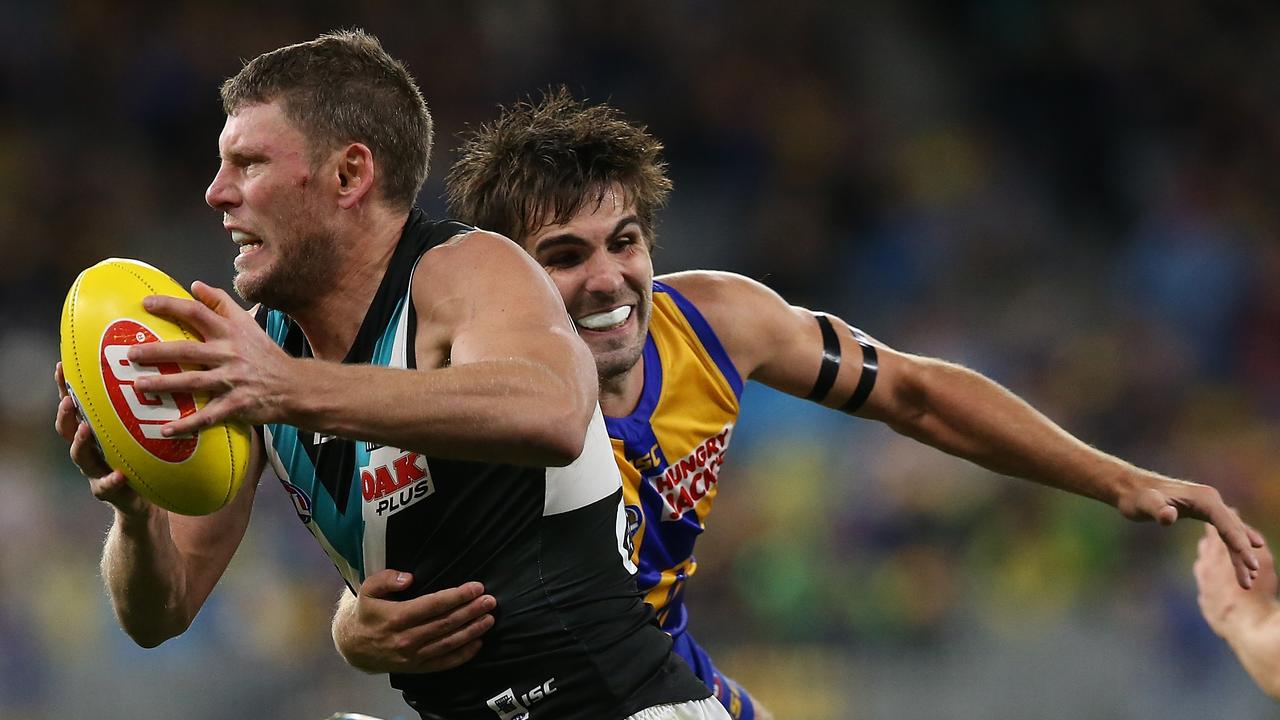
(508, 707)
(394, 480)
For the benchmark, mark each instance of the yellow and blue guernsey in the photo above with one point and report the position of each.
(669, 450)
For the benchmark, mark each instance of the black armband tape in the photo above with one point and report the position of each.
(830, 360)
(868, 378)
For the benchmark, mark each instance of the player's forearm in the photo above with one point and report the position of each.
(968, 415)
(516, 411)
(145, 578)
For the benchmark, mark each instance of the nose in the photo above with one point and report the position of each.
(222, 193)
(604, 274)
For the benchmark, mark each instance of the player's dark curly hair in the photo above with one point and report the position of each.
(541, 162)
(341, 88)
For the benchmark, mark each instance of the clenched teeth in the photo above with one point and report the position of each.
(246, 241)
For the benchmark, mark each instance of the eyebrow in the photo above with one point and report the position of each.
(554, 241)
(242, 155)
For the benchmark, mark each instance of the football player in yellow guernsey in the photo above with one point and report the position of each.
(578, 187)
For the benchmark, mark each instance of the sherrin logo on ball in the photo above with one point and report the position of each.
(101, 319)
(143, 415)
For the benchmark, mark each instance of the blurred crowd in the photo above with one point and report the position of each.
(1076, 199)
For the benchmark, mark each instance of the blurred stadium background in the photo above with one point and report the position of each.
(1077, 199)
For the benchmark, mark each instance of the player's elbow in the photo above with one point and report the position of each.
(152, 635)
(560, 439)
(560, 430)
(564, 452)
(151, 624)
(552, 434)
(147, 640)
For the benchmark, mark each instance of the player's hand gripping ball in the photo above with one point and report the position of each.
(101, 318)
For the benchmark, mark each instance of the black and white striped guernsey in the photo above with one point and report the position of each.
(572, 638)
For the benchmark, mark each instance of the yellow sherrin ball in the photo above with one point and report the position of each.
(101, 318)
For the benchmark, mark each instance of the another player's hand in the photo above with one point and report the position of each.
(1249, 620)
(106, 484)
(1226, 607)
(425, 634)
(244, 372)
(1166, 500)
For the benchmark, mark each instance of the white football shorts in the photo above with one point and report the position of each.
(708, 709)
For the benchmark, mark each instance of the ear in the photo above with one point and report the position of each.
(355, 175)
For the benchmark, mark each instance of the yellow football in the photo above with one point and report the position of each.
(101, 318)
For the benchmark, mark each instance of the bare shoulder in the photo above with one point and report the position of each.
(469, 250)
(749, 318)
(473, 262)
(705, 282)
(724, 298)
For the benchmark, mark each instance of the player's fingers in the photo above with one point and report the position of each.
(215, 299)
(190, 425)
(66, 421)
(193, 313)
(188, 381)
(189, 352)
(443, 627)
(109, 486)
(1234, 533)
(59, 379)
(84, 453)
(384, 583)
(449, 660)
(1265, 557)
(1256, 539)
(215, 411)
(114, 488)
(437, 605)
(1166, 515)
(1244, 575)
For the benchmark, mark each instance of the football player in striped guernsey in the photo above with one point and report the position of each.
(578, 187)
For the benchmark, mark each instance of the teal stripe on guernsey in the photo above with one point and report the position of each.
(276, 326)
(343, 533)
(383, 348)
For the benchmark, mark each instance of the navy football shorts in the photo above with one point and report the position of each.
(726, 690)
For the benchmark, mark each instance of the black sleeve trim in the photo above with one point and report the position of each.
(867, 381)
(830, 361)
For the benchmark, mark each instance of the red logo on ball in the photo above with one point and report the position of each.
(142, 414)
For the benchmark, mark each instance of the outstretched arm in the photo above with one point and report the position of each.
(941, 404)
(1249, 620)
